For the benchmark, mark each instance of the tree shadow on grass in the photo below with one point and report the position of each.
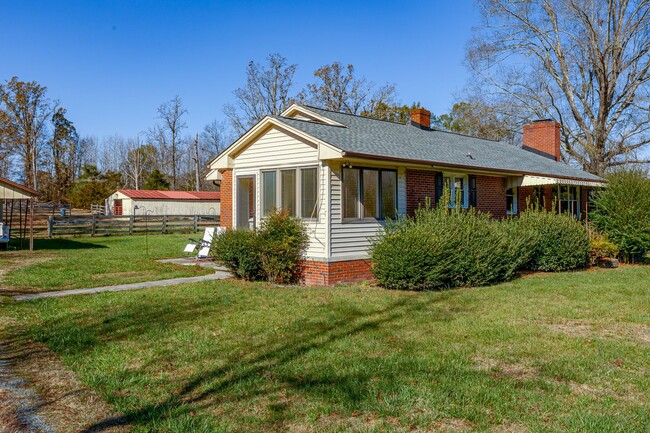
(64, 244)
(275, 356)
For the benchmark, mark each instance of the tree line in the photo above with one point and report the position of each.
(583, 63)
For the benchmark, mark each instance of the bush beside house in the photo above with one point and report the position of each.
(557, 242)
(274, 252)
(621, 211)
(443, 248)
(440, 248)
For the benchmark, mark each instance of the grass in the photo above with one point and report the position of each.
(61, 264)
(550, 352)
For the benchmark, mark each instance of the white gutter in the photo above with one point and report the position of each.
(530, 180)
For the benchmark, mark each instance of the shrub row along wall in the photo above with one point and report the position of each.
(442, 248)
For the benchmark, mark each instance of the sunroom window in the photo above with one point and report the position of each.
(308, 192)
(269, 195)
(369, 193)
(288, 193)
(294, 190)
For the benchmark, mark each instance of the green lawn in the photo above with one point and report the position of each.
(550, 352)
(73, 263)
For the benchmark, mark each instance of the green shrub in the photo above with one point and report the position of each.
(442, 248)
(282, 243)
(557, 242)
(621, 211)
(600, 249)
(238, 251)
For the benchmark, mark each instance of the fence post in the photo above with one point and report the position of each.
(131, 221)
(94, 226)
(196, 223)
(50, 225)
(164, 224)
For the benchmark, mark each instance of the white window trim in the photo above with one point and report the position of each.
(278, 188)
(452, 199)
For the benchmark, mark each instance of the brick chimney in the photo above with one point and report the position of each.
(543, 137)
(421, 118)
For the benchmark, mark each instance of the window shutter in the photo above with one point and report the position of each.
(472, 191)
(439, 186)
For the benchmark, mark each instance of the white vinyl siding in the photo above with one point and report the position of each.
(275, 149)
(351, 240)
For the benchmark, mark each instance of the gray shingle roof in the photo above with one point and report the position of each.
(406, 142)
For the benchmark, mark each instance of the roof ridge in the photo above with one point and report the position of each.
(467, 135)
(398, 123)
(355, 115)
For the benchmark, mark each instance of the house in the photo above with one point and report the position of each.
(344, 175)
(154, 202)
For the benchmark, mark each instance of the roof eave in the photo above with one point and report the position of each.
(465, 167)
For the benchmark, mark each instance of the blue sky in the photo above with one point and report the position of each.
(111, 63)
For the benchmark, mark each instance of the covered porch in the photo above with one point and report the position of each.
(557, 194)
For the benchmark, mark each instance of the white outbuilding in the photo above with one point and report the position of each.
(155, 202)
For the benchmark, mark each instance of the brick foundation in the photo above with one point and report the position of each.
(327, 274)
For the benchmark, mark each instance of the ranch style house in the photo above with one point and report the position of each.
(345, 175)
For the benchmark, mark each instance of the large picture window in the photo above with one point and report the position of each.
(369, 193)
(294, 190)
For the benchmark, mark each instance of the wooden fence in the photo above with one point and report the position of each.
(98, 225)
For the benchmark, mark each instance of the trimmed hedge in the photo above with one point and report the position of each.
(282, 242)
(442, 248)
(273, 253)
(238, 251)
(558, 242)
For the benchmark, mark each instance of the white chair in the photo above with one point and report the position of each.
(4, 236)
(204, 244)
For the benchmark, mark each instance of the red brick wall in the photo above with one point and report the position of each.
(525, 198)
(491, 195)
(327, 274)
(584, 197)
(226, 198)
(544, 137)
(420, 184)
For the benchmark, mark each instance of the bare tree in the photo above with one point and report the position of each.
(197, 163)
(267, 92)
(109, 155)
(87, 153)
(24, 111)
(338, 89)
(171, 113)
(214, 138)
(584, 63)
(137, 161)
